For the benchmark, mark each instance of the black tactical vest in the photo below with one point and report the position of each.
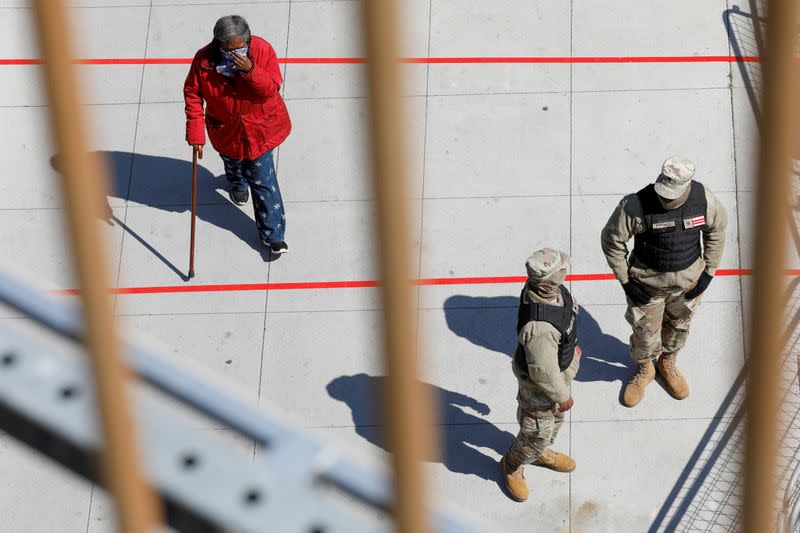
(561, 318)
(671, 240)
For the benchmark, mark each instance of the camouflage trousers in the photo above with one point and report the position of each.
(661, 325)
(537, 432)
(539, 423)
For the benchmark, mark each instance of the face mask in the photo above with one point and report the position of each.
(226, 66)
(241, 51)
(550, 287)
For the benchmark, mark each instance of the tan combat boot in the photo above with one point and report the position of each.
(674, 380)
(515, 480)
(634, 390)
(560, 462)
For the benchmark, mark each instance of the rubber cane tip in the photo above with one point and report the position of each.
(191, 275)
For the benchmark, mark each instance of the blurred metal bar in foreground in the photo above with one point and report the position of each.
(291, 467)
(764, 352)
(83, 184)
(407, 409)
(208, 484)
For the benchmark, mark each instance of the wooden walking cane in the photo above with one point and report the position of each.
(197, 151)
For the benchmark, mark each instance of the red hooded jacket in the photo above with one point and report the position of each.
(245, 114)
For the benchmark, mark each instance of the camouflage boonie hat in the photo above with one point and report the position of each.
(676, 174)
(545, 262)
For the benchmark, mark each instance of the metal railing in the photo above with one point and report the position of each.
(789, 516)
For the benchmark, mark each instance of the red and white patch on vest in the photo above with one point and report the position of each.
(698, 221)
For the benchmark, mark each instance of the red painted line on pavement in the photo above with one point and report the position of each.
(575, 60)
(744, 272)
(469, 281)
(309, 285)
(415, 60)
(236, 287)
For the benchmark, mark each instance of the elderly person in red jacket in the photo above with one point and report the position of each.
(238, 77)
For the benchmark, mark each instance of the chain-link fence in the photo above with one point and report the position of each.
(708, 494)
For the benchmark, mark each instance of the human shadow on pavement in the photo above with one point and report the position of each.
(490, 322)
(165, 183)
(461, 431)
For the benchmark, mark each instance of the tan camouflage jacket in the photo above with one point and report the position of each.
(627, 220)
(540, 341)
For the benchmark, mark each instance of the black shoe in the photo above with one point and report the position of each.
(239, 197)
(277, 247)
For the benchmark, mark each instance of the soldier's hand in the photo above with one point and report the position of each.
(700, 287)
(578, 351)
(566, 406)
(636, 292)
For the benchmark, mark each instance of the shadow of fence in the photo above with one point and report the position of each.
(746, 36)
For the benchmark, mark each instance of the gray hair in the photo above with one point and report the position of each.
(231, 27)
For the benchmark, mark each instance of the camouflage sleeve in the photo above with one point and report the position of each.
(625, 222)
(541, 350)
(714, 232)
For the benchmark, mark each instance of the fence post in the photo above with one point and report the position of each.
(763, 355)
(83, 183)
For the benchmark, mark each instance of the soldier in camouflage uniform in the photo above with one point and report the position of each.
(678, 227)
(545, 362)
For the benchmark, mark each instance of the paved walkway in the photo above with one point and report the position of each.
(506, 157)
